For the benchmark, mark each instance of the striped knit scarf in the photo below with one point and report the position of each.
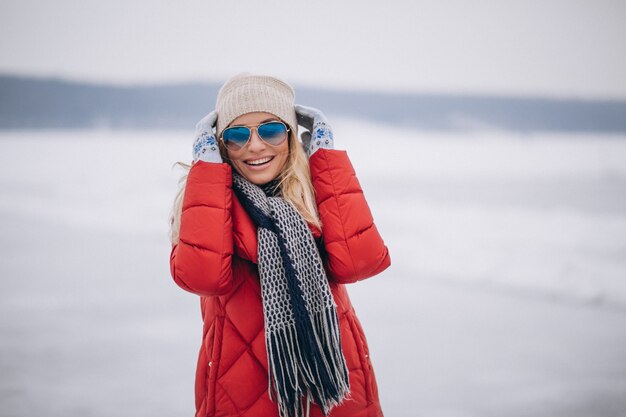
(301, 325)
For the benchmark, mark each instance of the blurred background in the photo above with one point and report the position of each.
(490, 140)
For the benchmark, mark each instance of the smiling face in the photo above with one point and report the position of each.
(258, 161)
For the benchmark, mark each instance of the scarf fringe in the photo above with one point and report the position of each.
(303, 368)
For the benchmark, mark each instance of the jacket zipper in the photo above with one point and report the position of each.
(213, 364)
(364, 357)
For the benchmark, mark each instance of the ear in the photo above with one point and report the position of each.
(223, 150)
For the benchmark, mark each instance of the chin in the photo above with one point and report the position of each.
(260, 179)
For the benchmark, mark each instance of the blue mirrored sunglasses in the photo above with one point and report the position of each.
(236, 137)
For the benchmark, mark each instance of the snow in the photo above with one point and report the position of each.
(506, 296)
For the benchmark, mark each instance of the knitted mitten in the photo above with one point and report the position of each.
(205, 147)
(319, 135)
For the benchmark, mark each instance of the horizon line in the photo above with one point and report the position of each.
(311, 86)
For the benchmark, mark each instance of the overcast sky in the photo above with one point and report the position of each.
(562, 48)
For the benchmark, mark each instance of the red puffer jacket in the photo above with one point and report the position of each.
(216, 258)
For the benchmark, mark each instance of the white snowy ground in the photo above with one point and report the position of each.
(506, 296)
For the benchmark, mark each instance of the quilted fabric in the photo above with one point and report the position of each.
(216, 258)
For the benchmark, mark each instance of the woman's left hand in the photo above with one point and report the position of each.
(320, 135)
(205, 147)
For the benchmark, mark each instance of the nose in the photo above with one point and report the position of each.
(256, 144)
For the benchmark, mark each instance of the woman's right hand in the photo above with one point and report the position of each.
(205, 147)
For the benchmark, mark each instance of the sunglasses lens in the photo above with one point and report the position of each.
(236, 137)
(273, 133)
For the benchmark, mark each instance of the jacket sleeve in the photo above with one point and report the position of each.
(201, 261)
(354, 248)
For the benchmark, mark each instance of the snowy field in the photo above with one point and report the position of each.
(506, 295)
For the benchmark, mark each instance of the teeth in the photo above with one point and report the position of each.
(259, 161)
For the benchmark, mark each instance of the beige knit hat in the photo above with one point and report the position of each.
(246, 93)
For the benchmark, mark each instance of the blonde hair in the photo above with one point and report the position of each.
(294, 181)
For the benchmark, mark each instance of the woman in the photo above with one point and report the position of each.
(267, 230)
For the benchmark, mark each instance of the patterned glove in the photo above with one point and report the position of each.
(319, 135)
(205, 147)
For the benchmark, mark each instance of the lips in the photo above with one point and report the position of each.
(259, 161)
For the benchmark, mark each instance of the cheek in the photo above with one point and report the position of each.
(234, 160)
(284, 156)
(238, 165)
